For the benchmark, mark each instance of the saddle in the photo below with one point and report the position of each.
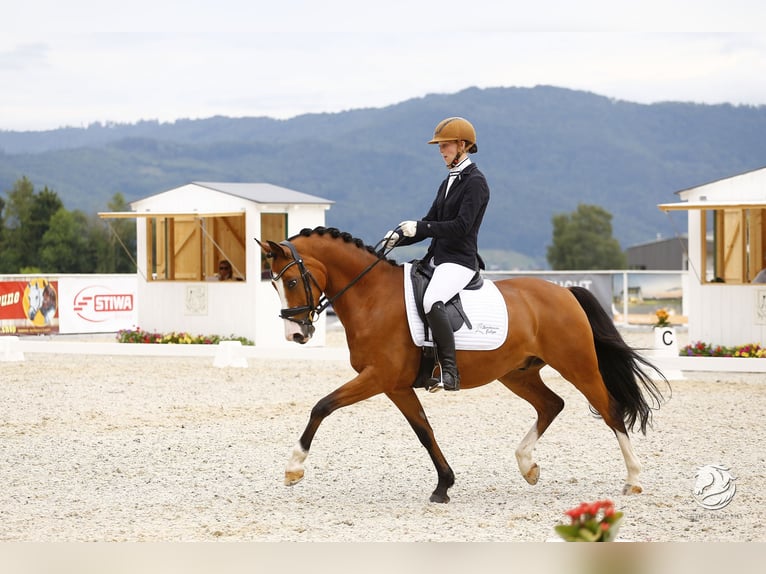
(421, 274)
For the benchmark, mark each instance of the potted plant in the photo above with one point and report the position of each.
(591, 522)
(663, 318)
(664, 333)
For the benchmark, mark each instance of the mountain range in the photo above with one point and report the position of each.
(544, 151)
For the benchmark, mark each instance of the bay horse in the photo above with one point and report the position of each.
(565, 328)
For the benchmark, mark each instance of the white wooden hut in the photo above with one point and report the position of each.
(183, 234)
(725, 306)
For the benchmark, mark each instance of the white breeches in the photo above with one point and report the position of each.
(448, 280)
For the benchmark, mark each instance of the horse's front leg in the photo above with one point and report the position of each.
(357, 389)
(408, 403)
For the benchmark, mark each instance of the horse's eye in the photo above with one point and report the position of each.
(292, 283)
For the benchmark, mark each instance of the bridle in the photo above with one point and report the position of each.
(312, 310)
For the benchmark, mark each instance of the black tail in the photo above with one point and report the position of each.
(620, 365)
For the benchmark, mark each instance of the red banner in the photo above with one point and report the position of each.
(29, 307)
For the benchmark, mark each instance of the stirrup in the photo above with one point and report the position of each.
(435, 384)
(436, 387)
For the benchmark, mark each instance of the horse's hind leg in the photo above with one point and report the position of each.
(529, 386)
(593, 389)
(632, 485)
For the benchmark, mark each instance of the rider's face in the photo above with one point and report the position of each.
(448, 151)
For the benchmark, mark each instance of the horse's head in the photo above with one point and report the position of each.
(35, 297)
(306, 265)
(297, 287)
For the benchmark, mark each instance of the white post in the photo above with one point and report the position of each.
(10, 349)
(230, 354)
(625, 298)
(665, 342)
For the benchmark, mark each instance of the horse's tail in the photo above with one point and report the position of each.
(621, 367)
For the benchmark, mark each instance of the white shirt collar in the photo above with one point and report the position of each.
(460, 167)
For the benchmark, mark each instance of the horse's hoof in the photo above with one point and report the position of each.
(440, 498)
(293, 477)
(533, 474)
(632, 489)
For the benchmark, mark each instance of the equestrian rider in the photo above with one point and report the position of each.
(452, 223)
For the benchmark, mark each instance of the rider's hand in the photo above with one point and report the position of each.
(391, 238)
(409, 228)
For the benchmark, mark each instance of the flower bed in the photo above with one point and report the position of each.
(700, 349)
(138, 335)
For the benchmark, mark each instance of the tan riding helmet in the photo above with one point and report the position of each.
(455, 129)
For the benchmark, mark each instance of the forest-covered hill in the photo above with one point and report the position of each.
(544, 150)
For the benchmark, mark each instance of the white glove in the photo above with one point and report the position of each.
(409, 228)
(391, 238)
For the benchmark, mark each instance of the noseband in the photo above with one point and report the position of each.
(311, 310)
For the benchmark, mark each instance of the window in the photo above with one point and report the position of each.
(739, 243)
(273, 228)
(189, 248)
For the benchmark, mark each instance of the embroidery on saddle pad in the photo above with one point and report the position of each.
(485, 309)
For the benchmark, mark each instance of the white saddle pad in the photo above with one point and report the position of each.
(485, 309)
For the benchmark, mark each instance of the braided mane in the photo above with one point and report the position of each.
(345, 236)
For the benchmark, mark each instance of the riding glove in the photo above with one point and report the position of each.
(409, 228)
(391, 238)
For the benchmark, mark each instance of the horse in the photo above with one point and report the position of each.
(565, 328)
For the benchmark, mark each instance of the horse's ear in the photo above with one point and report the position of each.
(270, 249)
(264, 248)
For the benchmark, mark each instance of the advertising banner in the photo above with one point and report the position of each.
(29, 307)
(98, 304)
(68, 305)
(599, 285)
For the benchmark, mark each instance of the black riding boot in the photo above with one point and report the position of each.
(445, 345)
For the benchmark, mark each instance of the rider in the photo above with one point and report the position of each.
(453, 224)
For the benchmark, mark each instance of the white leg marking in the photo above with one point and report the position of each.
(632, 484)
(295, 470)
(529, 469)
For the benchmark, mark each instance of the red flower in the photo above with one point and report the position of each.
(591, 522)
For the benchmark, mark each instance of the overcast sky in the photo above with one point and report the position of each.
(75, 62)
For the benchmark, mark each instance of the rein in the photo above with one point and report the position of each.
(312, 311)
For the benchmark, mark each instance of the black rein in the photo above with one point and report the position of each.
(312, 311)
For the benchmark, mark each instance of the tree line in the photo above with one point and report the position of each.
(39, 235)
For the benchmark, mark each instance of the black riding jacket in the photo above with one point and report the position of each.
(453, 223)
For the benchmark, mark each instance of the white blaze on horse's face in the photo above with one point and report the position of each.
(294, 331)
